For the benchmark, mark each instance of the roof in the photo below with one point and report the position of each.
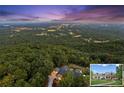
(63, 69)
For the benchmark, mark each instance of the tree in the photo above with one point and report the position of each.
(20, 74)
(119, 72)
(68, 80)
(37, 80)
(82, 81)
(22, 83)
(7, 81)
(3, 70)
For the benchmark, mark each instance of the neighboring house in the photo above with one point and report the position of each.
(102, 76)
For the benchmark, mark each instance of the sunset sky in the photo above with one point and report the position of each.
(81, 13)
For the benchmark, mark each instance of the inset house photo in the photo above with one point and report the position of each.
(105, 75)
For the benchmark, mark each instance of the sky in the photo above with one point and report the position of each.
(76, 13)
(102, 68)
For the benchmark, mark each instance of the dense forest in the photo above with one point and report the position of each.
(30, 65)
(27, 59)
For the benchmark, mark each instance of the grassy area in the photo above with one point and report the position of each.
(93, 82)
(117, 82)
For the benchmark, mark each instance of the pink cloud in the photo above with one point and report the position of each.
(100, 14)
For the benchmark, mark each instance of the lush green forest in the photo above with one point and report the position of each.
(27, 59)
(30, 65)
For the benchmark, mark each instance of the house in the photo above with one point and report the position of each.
(102, 76)
(63, 69)
(57, 74)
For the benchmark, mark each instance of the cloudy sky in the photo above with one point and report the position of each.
(102, 68)
(62, 13)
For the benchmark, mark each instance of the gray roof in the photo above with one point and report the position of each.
(63, 69)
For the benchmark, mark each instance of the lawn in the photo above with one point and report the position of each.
(117, 82)
(93, 82)
(112, 82)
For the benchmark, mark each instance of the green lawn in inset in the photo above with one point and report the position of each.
(93, 82)
(117, 82)
(112, 82)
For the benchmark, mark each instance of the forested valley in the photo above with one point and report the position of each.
(30, 52)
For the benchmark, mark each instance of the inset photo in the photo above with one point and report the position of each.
(106, 75)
